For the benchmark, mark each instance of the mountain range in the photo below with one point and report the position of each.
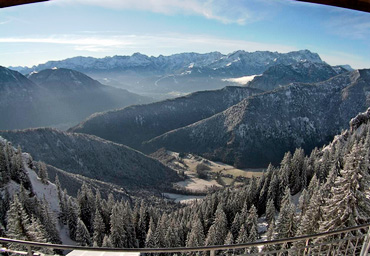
(219, 123)
(55, 97)
(174, 75)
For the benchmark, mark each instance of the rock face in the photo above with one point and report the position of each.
(55, 96)
(133, 125)
(93, 157)
(305, 72)
(259, 129)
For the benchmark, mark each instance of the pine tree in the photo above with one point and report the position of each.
(48, 221)
(286, 225)
(4, 173)
(150, 241)
(172, 238)
(86, 203)
(296, 165)
(143, 224)
(196, 236)
(263, 196)
(43, 173)
(252, 221)
(242, 239)
(82, 234)
(270, 236)
(235, 226)
(229, 240)
(99, 229)
(17, 220)
(253, 236)
(274, 189)
(160, 232)
(312, 215)
(36, 231)
(118, 235)
(350, 204)
(106, 242)
(72, 217)
(218, 231)
(270, 211)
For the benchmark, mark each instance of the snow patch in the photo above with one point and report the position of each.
(54, 68)
(49, 191)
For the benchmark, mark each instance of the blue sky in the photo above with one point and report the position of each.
(59, 29)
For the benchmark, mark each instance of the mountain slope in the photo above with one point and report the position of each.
(305, 72)
(53, 97)
(133, 125)
(17, 103)
(261, 128)
(93, 157)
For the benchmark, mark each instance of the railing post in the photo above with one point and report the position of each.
(212, 253)
(366, 244)
(29, 250)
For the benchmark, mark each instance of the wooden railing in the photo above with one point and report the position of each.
(348, 241)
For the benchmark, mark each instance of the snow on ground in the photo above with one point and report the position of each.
(240, 80)
(190, 162)
(183, 199)
(196, 184)
(64, 235)
(49, 191)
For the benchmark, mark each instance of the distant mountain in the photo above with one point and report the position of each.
(305, 72)
(259, 129)
(166, 76)
(250, 62)
(93, 157)
(133, 125)
(55, 96)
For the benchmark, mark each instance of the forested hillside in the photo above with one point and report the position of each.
(332, 184)
(93, 157)
(261, 128)
(133, 125)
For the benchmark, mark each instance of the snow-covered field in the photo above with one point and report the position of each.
(184, 199)
(190, 162)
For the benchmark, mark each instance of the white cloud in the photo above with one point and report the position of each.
(225, 11)
(149, 44)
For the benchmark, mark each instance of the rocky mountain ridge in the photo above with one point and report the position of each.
(165, 77)
(304, 72)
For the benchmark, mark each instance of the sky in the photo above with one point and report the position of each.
(59, 29)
